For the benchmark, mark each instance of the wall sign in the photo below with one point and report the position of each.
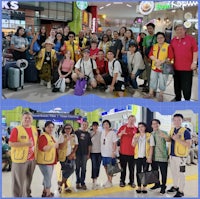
(82, 5)
(10, 5)
(146, 7)
(174, 5)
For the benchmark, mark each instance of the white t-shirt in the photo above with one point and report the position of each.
(116, 69)
(142, 146)
(107, 143)
(69, 147)
(86, 67)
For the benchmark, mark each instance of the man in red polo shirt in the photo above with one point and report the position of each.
(185, 61)
(126, 133)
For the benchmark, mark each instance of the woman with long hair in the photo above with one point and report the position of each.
(59, 46)
(105, 44)
(68, 144)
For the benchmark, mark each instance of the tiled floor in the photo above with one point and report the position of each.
(33, 92)
(191, 187)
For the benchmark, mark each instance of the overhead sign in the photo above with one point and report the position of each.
(82, 5)
(146, 7)
(56, 116)
(174, 5)
(10, 5)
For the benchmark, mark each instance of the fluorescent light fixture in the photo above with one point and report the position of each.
(108, 4)
(117, 2)
(101, 8)
(128, 5)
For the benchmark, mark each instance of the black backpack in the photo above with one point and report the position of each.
(124, 68)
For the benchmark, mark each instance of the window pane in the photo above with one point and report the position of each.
(44, 14)
(60, 15)
(52, 6)
(44, 4)
(52, 13)
(61, 7)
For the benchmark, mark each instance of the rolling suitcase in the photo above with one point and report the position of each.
(31, 73)
(15, 78)
(5, 68)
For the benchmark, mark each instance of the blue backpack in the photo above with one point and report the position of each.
(80, 86)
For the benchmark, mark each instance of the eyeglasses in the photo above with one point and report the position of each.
(104, 141)
(67, 128)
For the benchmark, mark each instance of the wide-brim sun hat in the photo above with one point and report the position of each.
(48, 41)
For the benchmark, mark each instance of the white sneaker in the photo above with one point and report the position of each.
(95, 186)
(137, 94)
(108, 89)
(42, 82)
(107, 184)
(48, 84)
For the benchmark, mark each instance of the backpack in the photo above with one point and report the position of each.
(80, 86)
(124, 68)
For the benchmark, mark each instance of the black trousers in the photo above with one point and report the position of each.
(124, 160)
(162, 166)
(183, 83)
(19, 55)
(141, 166)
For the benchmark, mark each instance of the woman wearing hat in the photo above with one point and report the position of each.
(46, 62)
(47, 156)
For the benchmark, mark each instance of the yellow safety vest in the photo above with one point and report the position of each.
(179, 149)
(83, 42)
(47, 157)
(20, 154)
(163, 53)
(148, 135)
(40, 61)
(69, 47)
(62, 152)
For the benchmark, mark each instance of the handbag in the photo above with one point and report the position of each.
(62, 85)
(80, 87)
(113, 168)
(167, 68)
(149, 177)
(57, 85)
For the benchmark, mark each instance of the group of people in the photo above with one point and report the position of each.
(132, 144)
(102, 60)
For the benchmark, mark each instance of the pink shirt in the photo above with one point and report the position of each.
(183, 52)
(67, 65)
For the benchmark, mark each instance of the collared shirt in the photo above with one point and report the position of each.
(160, 148)
(19, 42)
(142, 146)
(183, 52)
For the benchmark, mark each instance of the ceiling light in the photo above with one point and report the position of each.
(128, 5)
(117, 2)
(108, 4)
(101, 8)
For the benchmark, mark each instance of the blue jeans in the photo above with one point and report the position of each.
(81, 161)
(47, 171)
(134, 81)
(96, 163)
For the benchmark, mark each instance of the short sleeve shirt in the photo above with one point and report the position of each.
(147, 40)
(116, 69)
(160, 147)
(19, 42)
(187, 136)
(107, 143)
(13, 138)
(86, 67)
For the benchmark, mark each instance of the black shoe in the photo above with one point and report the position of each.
(83, 187)
(122, 184)
(179, 194)
(139, 191)
(172, 189)
(193, 163)
(142, 85)
(162, 191)
(156, 186)
(145, 90)
(144, 191)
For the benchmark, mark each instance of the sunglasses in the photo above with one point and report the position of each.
(67, 128)
(104, 141)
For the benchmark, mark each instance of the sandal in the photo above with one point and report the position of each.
(59, 187)
(68, 190)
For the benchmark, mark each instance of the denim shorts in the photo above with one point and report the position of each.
(67, 168)
(108, 160)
